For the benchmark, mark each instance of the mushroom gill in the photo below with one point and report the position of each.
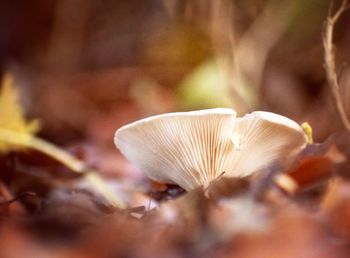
(193, 148)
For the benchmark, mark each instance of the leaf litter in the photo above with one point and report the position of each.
(48, 211)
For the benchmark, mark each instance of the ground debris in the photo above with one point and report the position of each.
(233, 217)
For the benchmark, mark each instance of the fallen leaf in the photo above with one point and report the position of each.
(16, 132)
(12, 120)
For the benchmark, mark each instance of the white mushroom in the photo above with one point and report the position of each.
(193, 148)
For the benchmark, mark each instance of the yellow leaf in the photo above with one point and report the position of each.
(308, 131)
(16, 132)
(12, 118)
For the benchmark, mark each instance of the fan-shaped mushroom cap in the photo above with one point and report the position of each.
(193, 148)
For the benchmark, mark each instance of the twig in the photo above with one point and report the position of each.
(329, 59)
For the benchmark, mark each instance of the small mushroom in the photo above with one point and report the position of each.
(193, 148)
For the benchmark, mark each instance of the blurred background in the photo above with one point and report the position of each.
(87, 67)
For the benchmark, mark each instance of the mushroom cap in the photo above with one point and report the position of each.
(193, 148)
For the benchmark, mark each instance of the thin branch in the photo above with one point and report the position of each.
(341, 9)
(329, 59)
